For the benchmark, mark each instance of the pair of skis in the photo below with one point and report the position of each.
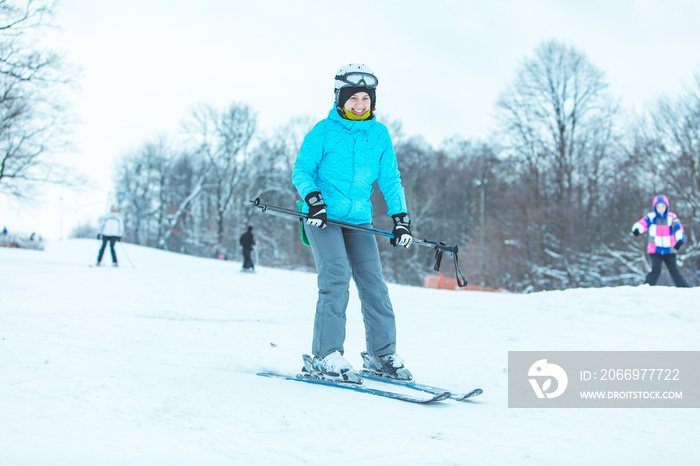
(433, 394)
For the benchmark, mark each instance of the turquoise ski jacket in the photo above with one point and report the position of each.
(342, 159)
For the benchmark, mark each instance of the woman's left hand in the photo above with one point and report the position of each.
(402, 231)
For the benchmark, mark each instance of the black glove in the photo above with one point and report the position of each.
(317, 210)
(402, 231)
(636, 232)
(99, 236)
(678, 245)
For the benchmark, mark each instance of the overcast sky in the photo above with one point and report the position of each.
(441, 66)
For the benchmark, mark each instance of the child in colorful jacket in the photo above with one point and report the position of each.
(666, 236)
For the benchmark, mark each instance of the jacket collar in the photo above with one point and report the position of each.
(349, 124)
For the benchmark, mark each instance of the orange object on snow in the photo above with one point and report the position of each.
(444, 283)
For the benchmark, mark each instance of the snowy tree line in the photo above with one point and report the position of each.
(546, 203)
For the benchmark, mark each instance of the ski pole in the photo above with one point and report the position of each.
(123, 249)
(439, 247)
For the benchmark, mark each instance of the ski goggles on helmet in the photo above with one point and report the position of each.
(359, 79)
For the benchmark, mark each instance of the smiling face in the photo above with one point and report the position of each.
(358, 104)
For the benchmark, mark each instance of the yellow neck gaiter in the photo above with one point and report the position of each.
(351, 116)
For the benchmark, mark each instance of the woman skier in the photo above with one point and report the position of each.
(337, 164)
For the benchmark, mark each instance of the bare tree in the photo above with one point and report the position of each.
(224, 138)
(141, 179)
(184, 186)
(558, 124)
(671, 143)
(33, 116)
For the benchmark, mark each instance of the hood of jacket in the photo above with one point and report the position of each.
(661, 199)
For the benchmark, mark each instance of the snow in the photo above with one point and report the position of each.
(156, 365)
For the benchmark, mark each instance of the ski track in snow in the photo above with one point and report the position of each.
(156, 364)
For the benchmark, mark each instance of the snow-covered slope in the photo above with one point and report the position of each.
(155, 365)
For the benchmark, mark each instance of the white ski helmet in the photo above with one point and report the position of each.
(353, 78)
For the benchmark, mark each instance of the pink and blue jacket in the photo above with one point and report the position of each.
(664, 230)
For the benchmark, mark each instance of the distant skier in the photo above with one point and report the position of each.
(247, 242)
(666, 236)
(338, 162)
(111, 231)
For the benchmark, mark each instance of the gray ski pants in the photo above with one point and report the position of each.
(340, 254)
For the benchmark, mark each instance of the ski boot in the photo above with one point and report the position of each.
(389, 366)
(333, 368)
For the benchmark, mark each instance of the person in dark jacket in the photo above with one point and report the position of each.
(247, 242)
